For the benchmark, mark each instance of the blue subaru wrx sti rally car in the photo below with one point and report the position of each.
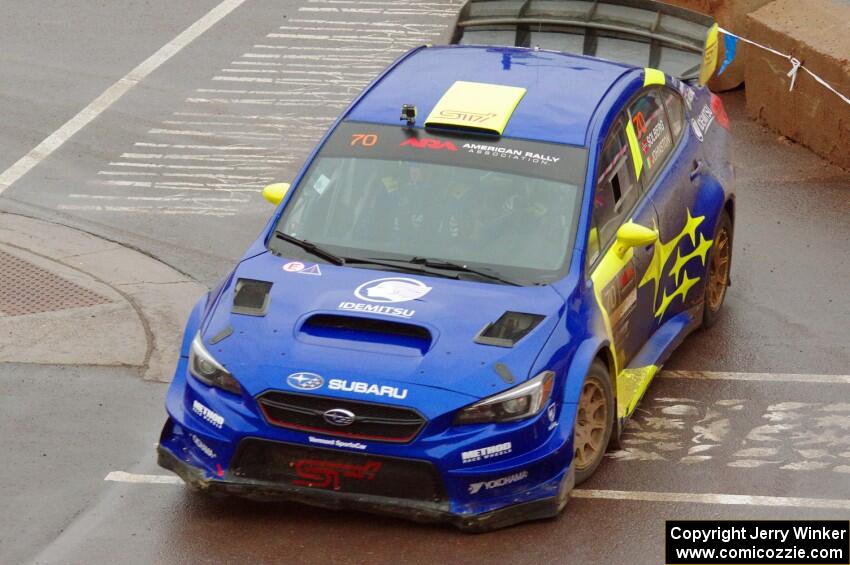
(451, 316)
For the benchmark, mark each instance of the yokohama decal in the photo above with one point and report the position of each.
(326, 474)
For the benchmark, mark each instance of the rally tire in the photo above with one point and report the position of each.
(717, 271)
(594, 422)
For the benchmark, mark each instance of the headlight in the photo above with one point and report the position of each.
(206, 369)
(518, 403)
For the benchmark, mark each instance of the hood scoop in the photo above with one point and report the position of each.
(508, 329)
(366, 333)
(251, 297)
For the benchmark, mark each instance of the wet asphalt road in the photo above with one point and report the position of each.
(174, 169)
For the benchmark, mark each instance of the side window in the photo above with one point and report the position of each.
(652, 132)
(616, 192)
(675, 111)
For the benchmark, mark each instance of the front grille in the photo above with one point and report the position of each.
(341, 471)
(377, 422)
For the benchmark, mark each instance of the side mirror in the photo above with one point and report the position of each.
(274, 193)
(631, 235)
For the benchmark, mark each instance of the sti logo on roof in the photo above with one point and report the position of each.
(476, 106)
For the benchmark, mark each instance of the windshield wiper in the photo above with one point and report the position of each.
(310, 248)
(425, 265)
(396, 264)
(449, 266)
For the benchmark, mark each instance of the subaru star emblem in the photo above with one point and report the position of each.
(339, 417)
(392, 289)
(305, 381)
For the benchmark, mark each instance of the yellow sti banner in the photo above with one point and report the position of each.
(476, 106)
(709, 55)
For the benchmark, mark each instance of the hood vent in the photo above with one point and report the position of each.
(368, 331)
(252, 297)
(508, 329)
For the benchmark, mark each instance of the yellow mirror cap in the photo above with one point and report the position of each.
(632, 234)
(274, 193)
(476, 106)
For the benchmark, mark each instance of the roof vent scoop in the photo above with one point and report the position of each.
(508, 329)
(252, 297)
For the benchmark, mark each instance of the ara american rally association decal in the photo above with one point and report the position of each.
(510, 153)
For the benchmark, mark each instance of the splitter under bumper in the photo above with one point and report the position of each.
(418, 511)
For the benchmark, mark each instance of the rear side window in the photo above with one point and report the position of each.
(675, 112)
(652, 131)
(616, 190)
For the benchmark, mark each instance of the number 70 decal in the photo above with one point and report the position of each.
(364, 139)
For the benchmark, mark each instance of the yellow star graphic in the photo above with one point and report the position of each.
(682, 290)
(700, 251)
(662, 252)
(691, 226)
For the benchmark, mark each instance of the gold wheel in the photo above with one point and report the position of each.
(591, 425)
(718, 270)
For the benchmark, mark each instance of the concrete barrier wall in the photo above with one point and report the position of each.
(817, 32)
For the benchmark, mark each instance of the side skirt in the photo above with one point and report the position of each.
(633, 381)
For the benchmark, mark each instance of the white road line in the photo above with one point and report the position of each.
(56, 139)
(122, 477)
(225, 134)
(206, 147)
(710, 498)
(646, 496)
(438, 27)
(323, 49)
(768, 377)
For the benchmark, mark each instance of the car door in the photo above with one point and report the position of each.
(619, 198)
(669, 174)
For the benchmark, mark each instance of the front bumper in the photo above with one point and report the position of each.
(205, 437)
(417, 511)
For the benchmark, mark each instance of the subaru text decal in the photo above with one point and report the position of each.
(312, 381)
(366, 388)
(305, 381)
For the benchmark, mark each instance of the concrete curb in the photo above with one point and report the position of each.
(140, 324)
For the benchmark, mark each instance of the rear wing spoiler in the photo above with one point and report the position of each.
(643, 33)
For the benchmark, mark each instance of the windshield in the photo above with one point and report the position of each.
(383, 192)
